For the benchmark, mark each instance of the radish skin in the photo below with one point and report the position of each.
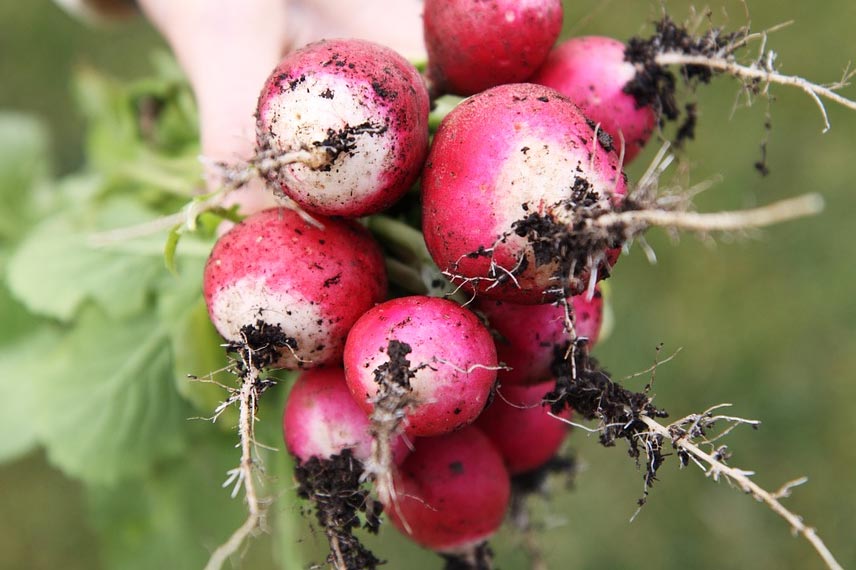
(474, 45)
(499, 156)
(528, 337)
(522, 429)
(359, 111)
(452, 491)
(321, 419)
(592, 72)
(453, 356)
(312, 284)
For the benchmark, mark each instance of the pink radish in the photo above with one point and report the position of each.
(513, 173)
(321, 419)
(527, 337)
(473, 44)
(592, 72)
(344, 126)
(275, 279)
(521, 428)
(452, 491)
(451, 353)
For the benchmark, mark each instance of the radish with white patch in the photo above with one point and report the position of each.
(277, 280)
(474, 45)
(343, 127)
(321, 419)
(452, 492)
(528, 337)
(593, 72)
(513, 174)
(449, 351)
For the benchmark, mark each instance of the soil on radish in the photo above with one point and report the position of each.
(571, 246)
(534, 481)
(344, 141)
(481, 558)
(342, 505)
(656, 86)
(604, 139)
(262, 344)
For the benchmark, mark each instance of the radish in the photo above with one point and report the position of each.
(473, 45)
(593, 72)
(343, 125)
(528, 337)
(452, 491)
(450, 355)
(513, 178)
(521, 428)
(321, 419)
(277, 283)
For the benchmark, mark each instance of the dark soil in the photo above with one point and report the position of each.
(396, 371)
(262, 344)
(481, 558)
(587, 388)
(533, 482)
(344, 141)
(656, 86)
(334, 488)
(573, 246)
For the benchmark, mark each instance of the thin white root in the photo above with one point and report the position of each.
(337, 559)
(782, 211)
(247, 398)
(766, 74)
(716, 468)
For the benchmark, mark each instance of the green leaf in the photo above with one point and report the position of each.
(59, 266)
(16, 321)
(113, 135)
(20, 363)
(176, 516)
(289, 514)
(196, 346)
(23, 164)
(107, 402)
(169, 249)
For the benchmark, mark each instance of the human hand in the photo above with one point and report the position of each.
(229, 47)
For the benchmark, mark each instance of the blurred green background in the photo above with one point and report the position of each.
(767, 323)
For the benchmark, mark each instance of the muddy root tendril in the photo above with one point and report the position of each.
(258, 349)
(390, 404)
(582, 384)
(262, 344)
(656, 86)
(342, 505)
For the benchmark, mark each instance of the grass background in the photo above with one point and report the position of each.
(768, 323)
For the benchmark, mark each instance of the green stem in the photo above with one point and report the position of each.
(412, 268)
(405, 277)
(406, 241)
(442, 107)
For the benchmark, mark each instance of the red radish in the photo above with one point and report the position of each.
(510, 163)
(347, 122)
(521, 428)
(528, 336)
(473, 44)
(451, 492)
(321, 419)
(592, 72)
(452, 355)
(275, 274)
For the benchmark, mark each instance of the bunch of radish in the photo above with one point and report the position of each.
(435, 402)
